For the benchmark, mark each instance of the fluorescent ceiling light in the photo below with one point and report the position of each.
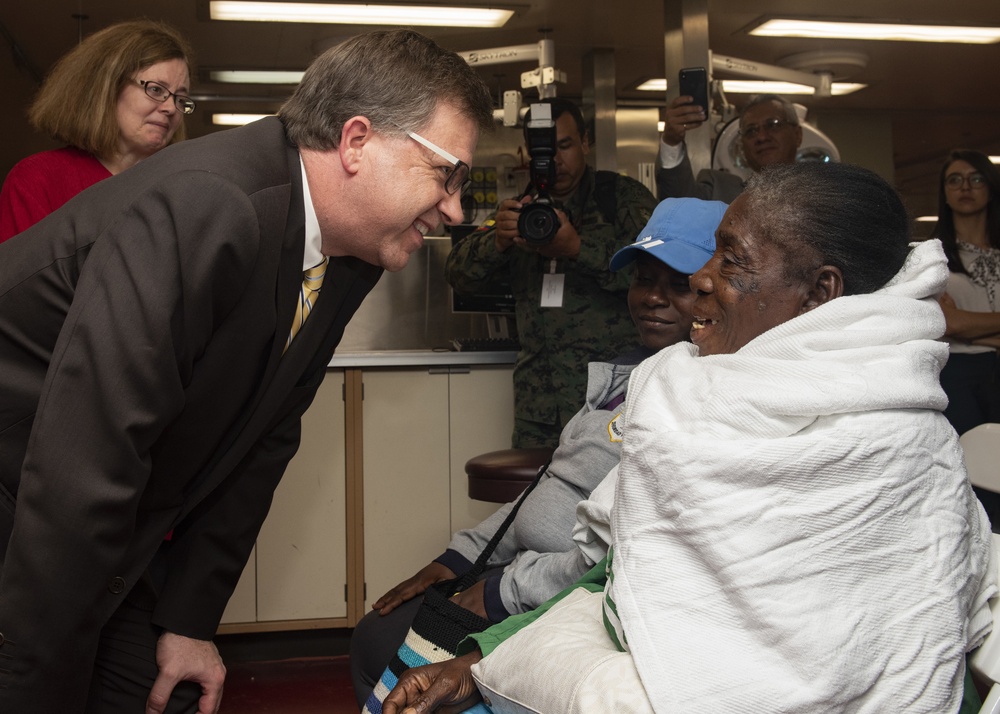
(237, 119)
(239, 76)
(926, 219)
(359, 14)
(821, 29)
(995, 159)
(757, 86)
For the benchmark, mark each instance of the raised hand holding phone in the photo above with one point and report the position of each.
(690, 108)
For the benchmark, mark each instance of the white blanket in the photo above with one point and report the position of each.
(793, 527)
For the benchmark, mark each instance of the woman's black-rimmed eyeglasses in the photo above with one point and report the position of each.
(158, 93)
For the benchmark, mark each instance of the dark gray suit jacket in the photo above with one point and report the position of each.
(143, 389)
(711, 185)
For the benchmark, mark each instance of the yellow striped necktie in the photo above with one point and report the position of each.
(312, 281)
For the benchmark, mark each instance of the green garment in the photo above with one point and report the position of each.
(489, 639)
(593, 324)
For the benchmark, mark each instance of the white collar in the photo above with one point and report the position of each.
(313, 253)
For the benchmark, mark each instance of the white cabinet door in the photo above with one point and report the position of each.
(302, 548)
(298, 568)
(406, 474)
(482, 419)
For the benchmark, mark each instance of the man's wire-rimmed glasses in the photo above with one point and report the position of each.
(458, 178)
(158, 93)
(767, 125)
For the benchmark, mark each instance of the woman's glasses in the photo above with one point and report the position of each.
(957, 180)
(158, 93)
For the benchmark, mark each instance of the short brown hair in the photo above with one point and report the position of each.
(395, 78)
(78, 100)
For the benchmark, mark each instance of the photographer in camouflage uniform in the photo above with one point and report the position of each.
(571, 308)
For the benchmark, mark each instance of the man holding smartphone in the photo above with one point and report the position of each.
(769, 134)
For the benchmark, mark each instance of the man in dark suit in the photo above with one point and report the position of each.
(770, 133)
(156, 357)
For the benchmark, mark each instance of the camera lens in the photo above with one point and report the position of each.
(538, 223)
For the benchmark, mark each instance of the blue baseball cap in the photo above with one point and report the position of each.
(680, 233)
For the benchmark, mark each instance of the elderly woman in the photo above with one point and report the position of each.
(791, 526)
(114, 99)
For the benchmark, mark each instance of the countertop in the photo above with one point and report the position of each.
(419, 358)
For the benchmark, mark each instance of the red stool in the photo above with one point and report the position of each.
(501, 476)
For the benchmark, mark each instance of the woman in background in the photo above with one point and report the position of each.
(114, 99)
(969, 230)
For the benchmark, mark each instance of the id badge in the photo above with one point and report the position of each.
(552, 289)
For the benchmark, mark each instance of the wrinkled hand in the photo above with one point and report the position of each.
(472, 598)
(680, 116)
(444, 686)
(411, 587)
(182, 659)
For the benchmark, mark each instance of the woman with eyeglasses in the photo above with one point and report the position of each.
(116, 98)
(969, 229)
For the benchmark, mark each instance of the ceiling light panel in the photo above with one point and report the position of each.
(758, 86)
(359, 14)
(843, 30)
(235, 119)
(240, 76)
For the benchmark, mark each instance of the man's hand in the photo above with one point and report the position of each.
(564, 244)
(680, 116)
(472, 598)
(182, 659)
(444, 687)
(506, 221)
(410, 588)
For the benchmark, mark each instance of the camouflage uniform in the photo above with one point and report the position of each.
(550, 376)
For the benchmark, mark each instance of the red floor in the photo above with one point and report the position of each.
(312, 685)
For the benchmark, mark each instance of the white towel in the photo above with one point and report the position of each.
(793, 527)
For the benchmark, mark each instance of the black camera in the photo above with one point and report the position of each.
(539, 222)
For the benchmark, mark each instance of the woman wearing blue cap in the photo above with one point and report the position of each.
(537, 558)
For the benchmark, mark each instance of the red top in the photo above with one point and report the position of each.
(41, 183)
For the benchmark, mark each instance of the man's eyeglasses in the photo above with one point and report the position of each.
(457, 179)
(158, 93)
(769, 125)
(957, 181)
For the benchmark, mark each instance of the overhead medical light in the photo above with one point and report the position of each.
(748, 86)
(239, 76)
(847, 30)
(359, 13)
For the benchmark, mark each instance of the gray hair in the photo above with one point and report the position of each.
(395, 78)
(844, 215)
(791, 116)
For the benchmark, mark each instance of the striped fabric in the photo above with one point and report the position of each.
(438, 628)
(312, 282)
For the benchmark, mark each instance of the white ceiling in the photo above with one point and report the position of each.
(938, 96)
